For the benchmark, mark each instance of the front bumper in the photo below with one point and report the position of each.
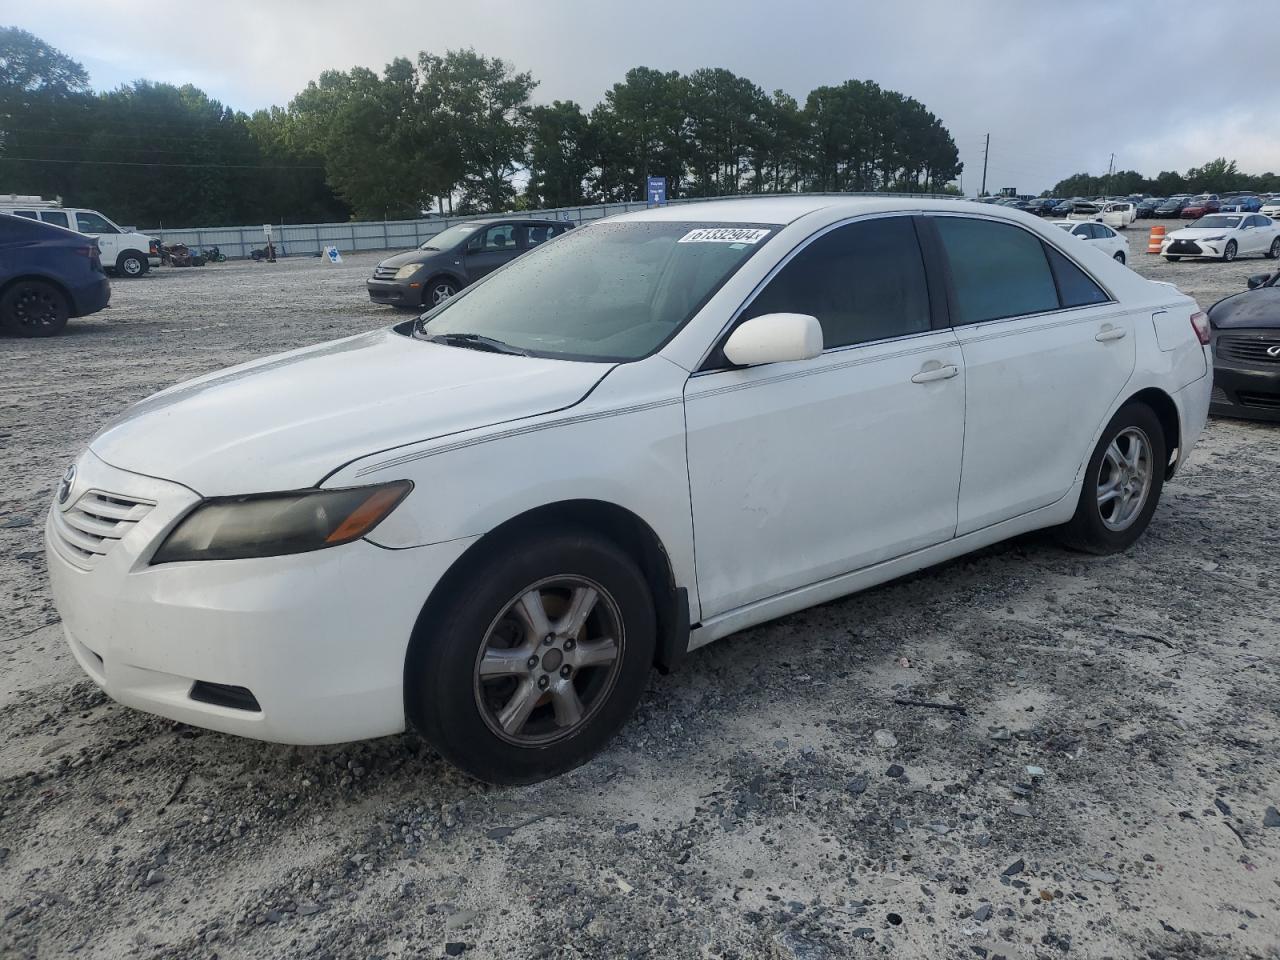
(319, 639)
(397, 293)
(1246, 393)
(1212, 249)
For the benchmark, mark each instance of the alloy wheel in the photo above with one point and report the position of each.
(37, 308)
(1124, 478)
(440, 293)
(549, 660)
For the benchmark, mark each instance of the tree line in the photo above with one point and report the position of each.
(455, 132)
(1216, 176)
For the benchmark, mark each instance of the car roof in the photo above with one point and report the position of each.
(788, 209)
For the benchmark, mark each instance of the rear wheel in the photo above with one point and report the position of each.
(1122, 483)
(1119, 256)
(1229, 251)
(33, 308)
(536, 661)
(1274, 250)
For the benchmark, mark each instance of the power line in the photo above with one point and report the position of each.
(126, 163)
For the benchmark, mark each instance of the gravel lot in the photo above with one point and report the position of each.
(776, 798)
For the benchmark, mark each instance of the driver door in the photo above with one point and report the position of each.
(498, 245)
(807, 470)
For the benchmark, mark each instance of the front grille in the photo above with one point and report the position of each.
(96, 523)
(384, 273)
(1183, 246)
(1267, 401)
(1249, 349)
(225, 695)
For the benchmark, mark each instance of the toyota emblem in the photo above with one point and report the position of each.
(65, 484)
(1274, 351)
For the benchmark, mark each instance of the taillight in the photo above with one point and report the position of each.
(84, 251)
(1200, 324)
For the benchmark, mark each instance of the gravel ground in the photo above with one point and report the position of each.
(1103, 790)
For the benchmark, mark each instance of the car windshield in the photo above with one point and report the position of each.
(1216, 222)
(610, 291)
(448, 239)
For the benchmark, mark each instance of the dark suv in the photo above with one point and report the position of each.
(47, 274)
(460, 255)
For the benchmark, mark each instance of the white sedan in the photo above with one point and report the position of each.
(1100, 236)
(1224, 236)
(490, 522)
(1271, 208)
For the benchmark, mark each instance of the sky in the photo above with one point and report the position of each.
(1060, 85)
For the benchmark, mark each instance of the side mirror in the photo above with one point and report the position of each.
(1257, 280)
(775, 338)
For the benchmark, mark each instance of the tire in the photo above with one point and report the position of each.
(33, 308)
(131, 264)
(438, 291)
(1113, 526)
(1229, 251)
(1173, 259)
(1119, 256)
(1274, 250)
(475, 721)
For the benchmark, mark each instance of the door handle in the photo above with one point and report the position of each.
(936, 373)
(1111, 333)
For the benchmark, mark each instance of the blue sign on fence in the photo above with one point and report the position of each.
(657, 192)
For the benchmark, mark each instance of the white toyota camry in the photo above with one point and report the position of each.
(491, 522)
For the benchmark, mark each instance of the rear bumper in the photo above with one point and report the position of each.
(92, 296)
(1246, 393)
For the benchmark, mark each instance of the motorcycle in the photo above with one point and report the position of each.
(265, 253)
(213, 255)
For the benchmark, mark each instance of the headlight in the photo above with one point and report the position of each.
(408, 270)
(1213, 239)
(234, 528)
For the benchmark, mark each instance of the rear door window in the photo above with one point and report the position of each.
(997, 270)
(57, 217)
(28, 214)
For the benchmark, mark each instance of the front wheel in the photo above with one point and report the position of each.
(438, 291)
(1173, 259)
(1274, 250)
(1119, 256)
(1229, 251)
(131, 264)
(1122, 483)
(536, 660)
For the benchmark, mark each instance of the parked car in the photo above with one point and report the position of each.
(1099, 235)
(1147, 208)
(1042, 206)
(1064, 207)
(47, 276)
(1241, 205)
(1172, 207)
(1199, 206)
(480, 522)
(1246, 351)
(124, 251)
(1271, 208)
(449, 261)
(1117, 214)
(1224, 236)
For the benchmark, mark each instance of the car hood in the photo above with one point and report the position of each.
(1195, 233)
(286, 422)
(1251, 308)
(413, 256)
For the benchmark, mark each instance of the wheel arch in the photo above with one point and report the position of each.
(1166, 412)
(443, 274)
(618, 524)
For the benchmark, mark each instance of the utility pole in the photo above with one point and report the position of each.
(985, 150)
(1111, 165)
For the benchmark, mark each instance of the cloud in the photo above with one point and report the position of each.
(1059, 86)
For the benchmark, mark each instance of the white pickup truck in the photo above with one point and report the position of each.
(125, 252)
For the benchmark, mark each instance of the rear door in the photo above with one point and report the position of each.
(1046, 352)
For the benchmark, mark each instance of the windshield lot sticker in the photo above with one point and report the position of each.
(724, 235)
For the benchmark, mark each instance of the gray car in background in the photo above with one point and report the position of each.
(460, 255)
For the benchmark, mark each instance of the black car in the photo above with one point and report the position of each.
(1148, 207)
(1064, 207)
(460, 255)
(1246, 351)
(1042, 206)
(1172, 207)
(47, 275)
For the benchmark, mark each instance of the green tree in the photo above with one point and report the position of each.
(562, 154)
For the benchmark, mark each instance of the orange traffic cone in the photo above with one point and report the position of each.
(1156, 238)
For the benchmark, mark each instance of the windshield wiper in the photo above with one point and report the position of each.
(476, 341)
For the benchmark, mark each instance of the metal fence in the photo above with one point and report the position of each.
(310, 239)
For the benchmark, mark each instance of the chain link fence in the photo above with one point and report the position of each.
(310, 239)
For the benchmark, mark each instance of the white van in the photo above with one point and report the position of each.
(124, 252)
